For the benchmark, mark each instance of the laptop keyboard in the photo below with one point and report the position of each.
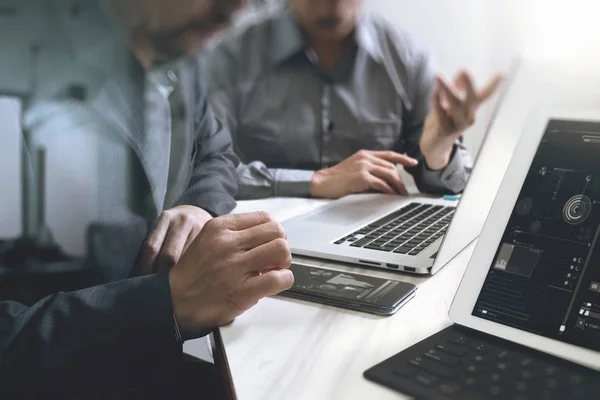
(460, 364)
(409, 230)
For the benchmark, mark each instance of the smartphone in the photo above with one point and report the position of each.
(349, 290)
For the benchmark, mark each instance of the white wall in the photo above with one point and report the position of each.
(10, 168)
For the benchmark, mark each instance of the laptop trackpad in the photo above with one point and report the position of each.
(346, 215)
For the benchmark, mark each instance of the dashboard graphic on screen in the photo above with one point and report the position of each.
(545, 277)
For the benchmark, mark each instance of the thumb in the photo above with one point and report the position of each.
(269, 283)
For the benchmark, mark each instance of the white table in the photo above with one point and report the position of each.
(290, 349)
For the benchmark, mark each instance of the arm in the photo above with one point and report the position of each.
(255, 179)
(98, 339)
(209, 191)
(453, 177)
(212, 184)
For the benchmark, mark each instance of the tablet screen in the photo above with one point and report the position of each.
(545, 276)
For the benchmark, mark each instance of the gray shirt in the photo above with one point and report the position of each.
(289, 117)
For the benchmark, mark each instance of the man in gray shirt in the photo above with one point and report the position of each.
(323, 101)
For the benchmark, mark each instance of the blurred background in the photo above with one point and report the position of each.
(50, 77)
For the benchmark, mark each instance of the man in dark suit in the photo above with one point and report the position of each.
(199, 271)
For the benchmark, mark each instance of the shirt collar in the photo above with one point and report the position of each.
(288, 39)
(367, 38)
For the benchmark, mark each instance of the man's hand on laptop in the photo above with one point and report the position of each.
(364, 171)
(173, 233)
(234, 262)
(454, 108)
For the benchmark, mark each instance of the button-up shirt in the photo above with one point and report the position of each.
(290, 117)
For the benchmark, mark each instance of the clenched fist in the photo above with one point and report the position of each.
(233, 263)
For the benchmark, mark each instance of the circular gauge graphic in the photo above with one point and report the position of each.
(524, 206)
(546, 209)
(535, 226)
(577, 210)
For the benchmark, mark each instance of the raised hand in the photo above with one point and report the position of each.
(454, 110)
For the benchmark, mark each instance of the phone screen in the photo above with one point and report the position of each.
(347, 286)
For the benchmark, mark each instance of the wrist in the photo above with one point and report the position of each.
(316, 183)
(437, 152)
(197, 212)
(187, 317)
(435, 145)
(437, 160)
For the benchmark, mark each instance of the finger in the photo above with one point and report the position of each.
(490, 89)
(275, 254)
(240, 222)
(437, 102)
(465, 82)
(449, 93)
(152, 246)
(173, 246)
(458, 111)
(380, 162)
(381, 185)
(445, 121)
(191, 237)
(259, 235)
(268, 284)
(392, 177)
(395, 158)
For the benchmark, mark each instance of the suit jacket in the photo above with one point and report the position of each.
(119, 332)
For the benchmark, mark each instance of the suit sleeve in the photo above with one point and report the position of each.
(98, 339)
(213, 182)
(451, 179)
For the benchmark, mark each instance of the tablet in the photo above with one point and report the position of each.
(534, 277)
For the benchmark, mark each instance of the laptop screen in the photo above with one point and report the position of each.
(545, 277)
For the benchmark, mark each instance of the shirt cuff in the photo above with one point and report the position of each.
(292, 183)
(178, 337)
(453, 178)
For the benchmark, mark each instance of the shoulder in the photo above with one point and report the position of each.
(240, 52)
(408, 64)
(397, 44)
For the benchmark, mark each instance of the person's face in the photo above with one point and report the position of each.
(163, 30)
(327, 19)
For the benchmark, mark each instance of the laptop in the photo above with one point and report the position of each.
(406, 233)
(527, 312)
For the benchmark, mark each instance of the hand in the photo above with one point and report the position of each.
(366, 170)
(234, 262)
(454, 109)
(175, 230)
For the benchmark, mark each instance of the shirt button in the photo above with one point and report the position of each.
(172, 76)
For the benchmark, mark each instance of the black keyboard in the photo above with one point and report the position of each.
(458, 363)
(409, 230)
